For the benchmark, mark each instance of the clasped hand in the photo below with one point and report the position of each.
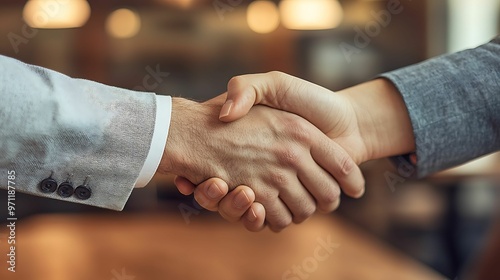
(274, 167)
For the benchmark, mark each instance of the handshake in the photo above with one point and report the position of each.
(275, 149)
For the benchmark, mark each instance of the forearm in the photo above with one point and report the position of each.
(454, 104)
(76, 130)
(444, 109)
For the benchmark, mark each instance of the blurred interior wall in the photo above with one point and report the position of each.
(471, 23)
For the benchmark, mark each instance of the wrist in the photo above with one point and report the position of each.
(382, 117)
(175, 159)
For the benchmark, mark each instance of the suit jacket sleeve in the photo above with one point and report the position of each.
(71, 131)
(454, 106)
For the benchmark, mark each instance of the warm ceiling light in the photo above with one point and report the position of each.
(263, 16)
(181, 3)
(56, 13)
(311, 14)
(123, 23)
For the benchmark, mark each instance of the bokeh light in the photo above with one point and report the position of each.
(311, 14)
(263, 16)
(56, 14)
(123, 23)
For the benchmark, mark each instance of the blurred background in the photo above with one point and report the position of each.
(437, 228)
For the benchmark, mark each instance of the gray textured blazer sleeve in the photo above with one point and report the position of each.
(454, 106)
(55, 126)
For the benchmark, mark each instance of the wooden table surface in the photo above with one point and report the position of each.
(153, 246)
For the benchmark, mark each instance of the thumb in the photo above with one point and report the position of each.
(247, 90)
(240, 99)
(279, 91)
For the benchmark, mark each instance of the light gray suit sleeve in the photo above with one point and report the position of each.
(454, 106)
(74, 129)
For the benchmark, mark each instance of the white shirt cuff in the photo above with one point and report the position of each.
(158, 142)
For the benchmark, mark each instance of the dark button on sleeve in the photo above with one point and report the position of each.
(48, 185)
(65, 189)
(83, 192)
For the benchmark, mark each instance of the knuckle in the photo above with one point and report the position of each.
(298, 128)
(276, 74)
(235, 82)
(278, 220)
(282, 223)
(332, 194)
(278, 179)
(290, 156)
(328, 199)
(301, 132)
(304, 213)
(332, 207)
(254, 228)
(359, 188)
(336, 206)
(346, 164)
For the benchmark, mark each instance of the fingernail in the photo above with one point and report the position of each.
(226, 109)
(413, 159)
(252, 217)
(213, 191)
(241, 200)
